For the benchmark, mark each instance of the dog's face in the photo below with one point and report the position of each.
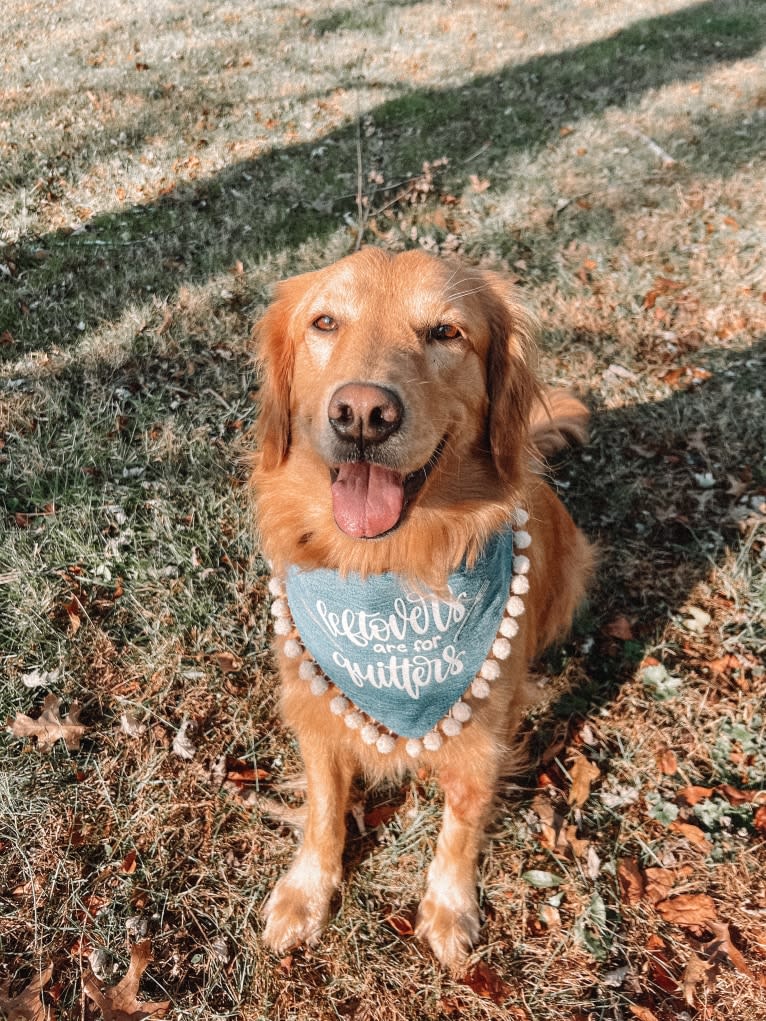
(391, 371)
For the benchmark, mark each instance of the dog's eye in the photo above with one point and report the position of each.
(444, 331)
(325, 323)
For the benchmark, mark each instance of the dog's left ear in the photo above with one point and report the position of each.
(512, 384)
(276, 357)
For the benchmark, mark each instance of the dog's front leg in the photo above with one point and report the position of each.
(298, 908)
(448, 916)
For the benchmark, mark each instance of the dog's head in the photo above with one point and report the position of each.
(392, 371)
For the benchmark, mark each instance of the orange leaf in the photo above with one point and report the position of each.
(688, 909)
(759, 819)
(693, 834)
(631, 880)
(401, 924)
(487, 983)
(582, 772)
(619, 628)
(128, 866)
(722, 947)
(120, 1002)
(691, 795)
(642, 1013)
(667, 762)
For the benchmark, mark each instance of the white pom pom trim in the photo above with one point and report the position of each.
(490, 670)
(521, 564)
(283, 626)
(339, 705)
(293, 648)
(451, 727)
(385, 744)
(353, 720)
(509, 627)
(276, 587)
(318, 685)
(521, 540)
(519, 518)
(370, 733)
(432, 741)
(480, 688)
(413, 747)
(501, 648)
(462, 712)
(279, 608)
(515, 606)
(520, 585)
(307, 671)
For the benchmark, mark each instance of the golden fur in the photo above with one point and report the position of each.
(480, 392)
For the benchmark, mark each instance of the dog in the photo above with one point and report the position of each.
(419, 558)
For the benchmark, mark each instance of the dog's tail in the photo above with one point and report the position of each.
(558, 418)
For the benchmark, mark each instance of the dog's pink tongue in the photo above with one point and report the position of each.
(367, 499)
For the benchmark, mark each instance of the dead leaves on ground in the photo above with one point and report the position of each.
(50, 726)
(120, 1002)
(29, 1004)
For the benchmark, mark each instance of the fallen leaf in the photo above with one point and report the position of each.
(478, 184)
(541, 879)
(688, 909)
(49, 727)
(642, 1013)
(659, 882)
(759, 819)
(693, 834)
(40, 678)
(692, 795)
(227, 661)
(120, 1002)
(401, 924)
(722, 948)
(631, 880)
(28, 1005)
(667, 762)
(183, 745)
(696, 972)
(379, 816)
(167, 321)
(620, 628)
(487, 983)
(583, 772)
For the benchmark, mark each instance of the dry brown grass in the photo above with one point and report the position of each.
(160, 167)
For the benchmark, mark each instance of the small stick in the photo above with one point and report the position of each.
(663, 154)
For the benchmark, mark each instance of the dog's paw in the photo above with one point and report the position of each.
(298, 909)
(449, 924)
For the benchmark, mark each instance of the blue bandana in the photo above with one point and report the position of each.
(401, 656)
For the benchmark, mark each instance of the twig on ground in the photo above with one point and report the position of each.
(663, 154)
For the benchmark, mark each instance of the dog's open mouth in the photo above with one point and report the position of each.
(369, 500)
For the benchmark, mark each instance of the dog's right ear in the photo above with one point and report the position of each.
(276, 358)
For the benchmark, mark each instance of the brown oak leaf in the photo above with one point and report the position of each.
(722, 948)
(50, 727)
(120, 1002)
(28, 1005)
(582, 772)
(689, 909)
(631, 880)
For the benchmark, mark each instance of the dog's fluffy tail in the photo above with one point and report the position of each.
(557, 419)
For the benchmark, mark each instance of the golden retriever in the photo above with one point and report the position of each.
(400, 436)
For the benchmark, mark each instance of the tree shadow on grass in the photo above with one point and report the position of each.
(662, 488)
(64, 284)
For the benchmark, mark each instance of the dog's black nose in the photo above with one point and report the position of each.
(365, 411)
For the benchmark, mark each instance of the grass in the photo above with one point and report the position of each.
(159, 169)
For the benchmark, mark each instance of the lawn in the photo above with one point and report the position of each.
(161, 166)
